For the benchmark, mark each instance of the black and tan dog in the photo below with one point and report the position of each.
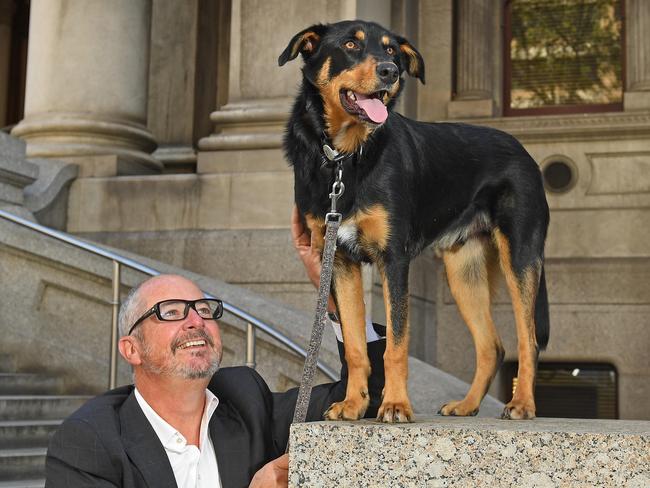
(473, 193)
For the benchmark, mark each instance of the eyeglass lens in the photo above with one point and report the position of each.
(178, 309)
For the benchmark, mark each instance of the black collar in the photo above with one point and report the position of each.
(331, 157)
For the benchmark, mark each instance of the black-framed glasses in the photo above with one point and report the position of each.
(177, 309)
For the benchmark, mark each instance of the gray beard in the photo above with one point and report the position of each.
(180, 370)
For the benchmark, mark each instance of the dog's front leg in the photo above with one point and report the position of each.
(348, 292)
(395, 406)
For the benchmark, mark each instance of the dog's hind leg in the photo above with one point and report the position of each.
(395, 405)
(348, 292)
(468, 270)
(522, 273)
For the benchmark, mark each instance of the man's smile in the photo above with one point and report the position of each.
(192, 344)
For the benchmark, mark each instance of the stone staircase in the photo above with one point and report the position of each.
(31, 408)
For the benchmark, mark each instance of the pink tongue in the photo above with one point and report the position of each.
(373, 107)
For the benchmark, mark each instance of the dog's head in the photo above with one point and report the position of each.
(357, 67)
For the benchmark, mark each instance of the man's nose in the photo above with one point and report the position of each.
(193, 319)
(387, 72)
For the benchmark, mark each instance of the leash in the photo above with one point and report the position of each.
(332, 221)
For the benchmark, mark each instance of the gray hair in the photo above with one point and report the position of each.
(130, 311)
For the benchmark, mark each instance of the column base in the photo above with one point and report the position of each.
(176, 158)
(636, 100)
(102, 147)
(251, 124)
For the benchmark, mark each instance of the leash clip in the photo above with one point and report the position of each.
(338, 187)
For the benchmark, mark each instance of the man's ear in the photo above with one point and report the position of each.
(305, 42)
(414, 61)
(129, 348)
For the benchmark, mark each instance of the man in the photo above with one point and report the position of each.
(181, 424)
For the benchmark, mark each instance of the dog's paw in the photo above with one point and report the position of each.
(346, 410)
(519, 410)
(459, 408)
(391, 412)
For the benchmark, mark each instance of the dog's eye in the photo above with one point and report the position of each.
(390, 51)
(350, 45)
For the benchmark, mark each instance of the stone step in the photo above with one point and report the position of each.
(21, 464)
(36, 483)
(45, 407)
(29, 383)
(444, 451)
(26, 433)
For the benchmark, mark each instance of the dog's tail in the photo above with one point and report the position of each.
(542, 323)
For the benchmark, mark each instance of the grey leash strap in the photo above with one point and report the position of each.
(333, 221)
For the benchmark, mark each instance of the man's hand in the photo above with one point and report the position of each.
(302, 242)
(308, 255)
(273, 474)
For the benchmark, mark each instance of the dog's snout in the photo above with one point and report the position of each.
(388, 72)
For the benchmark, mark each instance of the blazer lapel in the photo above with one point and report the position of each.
(230, 441)
(143, 446)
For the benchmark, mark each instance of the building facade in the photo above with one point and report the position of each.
(174, 113)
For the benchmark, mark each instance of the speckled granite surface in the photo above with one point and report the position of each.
(471, 452)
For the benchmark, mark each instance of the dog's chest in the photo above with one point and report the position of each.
(362, 234)
(365, 233)
(347, 237)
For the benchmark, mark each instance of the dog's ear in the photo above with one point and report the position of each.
(305, 42)
(414, 61)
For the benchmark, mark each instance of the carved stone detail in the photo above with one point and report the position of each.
(619, 173)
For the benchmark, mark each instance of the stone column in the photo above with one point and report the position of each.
(86, 99)
(637, 93)
(474, 54)
(182, 77)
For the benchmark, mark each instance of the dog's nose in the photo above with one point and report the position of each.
(388, 72)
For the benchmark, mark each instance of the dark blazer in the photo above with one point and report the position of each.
(109, 442)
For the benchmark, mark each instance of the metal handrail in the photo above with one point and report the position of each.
(118, 260)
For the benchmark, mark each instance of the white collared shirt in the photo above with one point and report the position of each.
(193, 467)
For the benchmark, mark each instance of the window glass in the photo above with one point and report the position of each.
(564, 54)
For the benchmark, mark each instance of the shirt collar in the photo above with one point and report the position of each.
(169, 437)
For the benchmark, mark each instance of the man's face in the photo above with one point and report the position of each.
(188, 348)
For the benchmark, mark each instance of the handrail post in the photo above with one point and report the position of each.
(112, 380)
(250, 345)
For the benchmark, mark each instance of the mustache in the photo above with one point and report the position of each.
(198, 334)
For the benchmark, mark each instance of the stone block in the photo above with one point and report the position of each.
(251, 160)
(599, 233)
(186, 201)
(15, 172)
(105, 165)
(47, 197)
(163, 202)
(11, 148)
(261, 200)
(471, 452)
(467, 109)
